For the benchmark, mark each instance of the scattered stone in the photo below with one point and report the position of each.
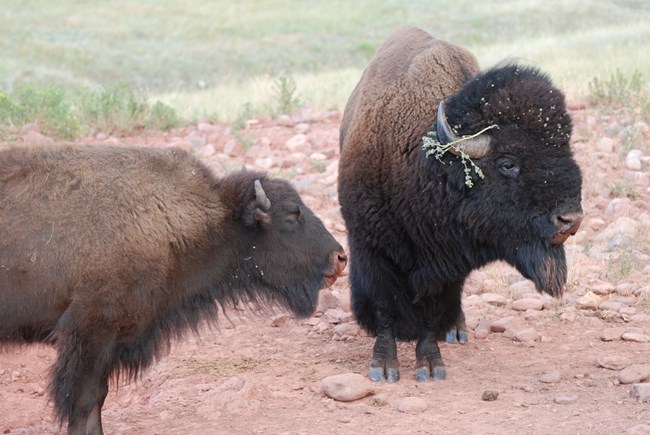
(565, 400)
(528, 304)
(589, 301)
(552, 377)
(299, 143)
(633, 160)
(412, 405)
(639, 429)
(502, 324)
(31, 127)
(378, 400)
(613, 334)
(634, 373)
(35, 138)
(622, 225)
(233, 148)
(346, 387)
(521, 289)
(302, 127)
(611, 306)
(482, 330)
(613, 362)
(207, 150)
(640, 392)
(605, 145)
(326, 301)
(280, 320)
(494, 299)
(489, 285)
(336, 315)
(490, 395)
(528, 335)
(195, 140)
(346, 330)
(637, 338)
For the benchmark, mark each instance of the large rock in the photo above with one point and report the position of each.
(346, 387)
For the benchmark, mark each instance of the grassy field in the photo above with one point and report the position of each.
(214, 58)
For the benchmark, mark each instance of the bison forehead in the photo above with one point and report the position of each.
(511, 94)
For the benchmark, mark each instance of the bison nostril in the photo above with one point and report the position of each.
(343, 260)
(567, 221)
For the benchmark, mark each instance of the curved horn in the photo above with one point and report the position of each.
(474, 148)
(261, 197)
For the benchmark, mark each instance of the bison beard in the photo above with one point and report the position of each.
(546, 267)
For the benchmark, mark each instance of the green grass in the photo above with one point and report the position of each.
(210, 59)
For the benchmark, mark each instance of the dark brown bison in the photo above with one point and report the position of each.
(420, 220)
(109, 253)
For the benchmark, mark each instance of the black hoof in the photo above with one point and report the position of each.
(439, 373)
(451, 337)
(422, 374)
(377, 375)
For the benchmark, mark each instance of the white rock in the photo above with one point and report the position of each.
(613, 362)
(494, 299)
(637, 338)
(412, 405)
(346, 387)
(634, 373)
(564, 400)
(633, 160)
(552, 377)
(528, 304)
(528, 335)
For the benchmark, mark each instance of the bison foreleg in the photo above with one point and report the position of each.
(428, 359)
(458, 333)
(384, 364)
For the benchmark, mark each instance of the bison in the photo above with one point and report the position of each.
(110, 253)
(496, 181)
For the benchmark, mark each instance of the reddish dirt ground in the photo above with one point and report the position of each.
(261, 373)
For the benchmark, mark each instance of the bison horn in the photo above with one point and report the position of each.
(261, 197)
(474, 148)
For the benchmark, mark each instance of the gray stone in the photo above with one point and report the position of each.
(613, 362)
(346, 387)
(494, 299)
(565, 400)
(412, 405)
(528, 304)
(641, 392)
(552, 377)
(500, 326)
(528, 335)
(634, 373)
(482, 330)
(633, 160)
(637, 338)
(613, 334)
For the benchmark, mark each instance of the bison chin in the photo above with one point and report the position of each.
(545, 266)
(301, 299)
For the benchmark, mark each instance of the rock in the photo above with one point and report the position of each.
(195, 140)
(31, 127)
(346, 387)
(613, 362)
(266, 163)
(633, 160)
(521, 289)
(528, 335)
(576, 105)
(326, 301)
(552, 377)
(622, 225)
(565, 400)
(637, 338)
(611, 306)
(605, 145)
(528, 304)
(489, 285)
(337, 315)
(613, 334)
(494, 299)
(280, 320)
(490, 395)
(35, 138)
(302, 127)
(233, 148)
(412, 405)
(634, 373)
(206, 150)
(589, 301)
(299, 143)
(482, 330)
(640, 392)
(346, 330)
(619, 207)
(639, 429)
(502, 324)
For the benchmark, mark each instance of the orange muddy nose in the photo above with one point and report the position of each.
(566, 224)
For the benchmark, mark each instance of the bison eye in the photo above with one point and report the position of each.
(293, 216)
(508, 167)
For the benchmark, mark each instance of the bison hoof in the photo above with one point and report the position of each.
(377, 374)
(422, 374)
(457, 336)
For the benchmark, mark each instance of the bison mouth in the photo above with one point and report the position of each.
(338, 263)
(544, 265)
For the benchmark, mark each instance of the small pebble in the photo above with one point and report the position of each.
(490, 395)
(565, 400)
(412, 405)
(552, 377)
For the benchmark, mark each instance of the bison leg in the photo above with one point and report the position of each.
(384, 364)
(80, 377)
(428, 359)
(458, 333)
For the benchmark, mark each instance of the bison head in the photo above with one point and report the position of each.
(286, 252)
(528, 200)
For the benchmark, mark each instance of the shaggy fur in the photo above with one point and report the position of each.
(415, 229)
(110, 253)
